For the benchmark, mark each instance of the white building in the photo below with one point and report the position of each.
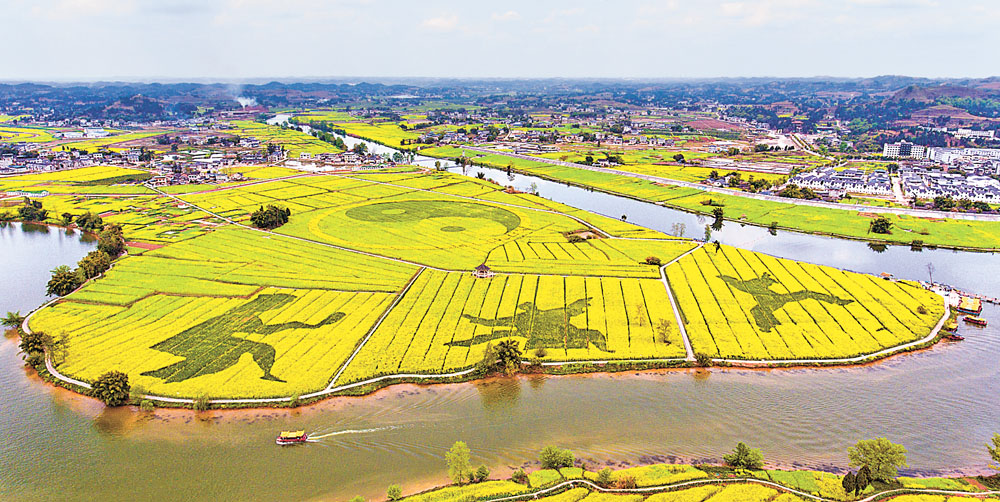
(95, 132)
(903, 150)
(970, 133)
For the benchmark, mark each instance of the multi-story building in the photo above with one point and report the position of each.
(903, 150)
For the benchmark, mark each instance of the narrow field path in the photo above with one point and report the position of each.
(371, 331)
(678, 318)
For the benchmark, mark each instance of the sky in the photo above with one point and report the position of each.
(241, 39)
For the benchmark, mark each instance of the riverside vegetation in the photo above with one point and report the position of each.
(741, 477)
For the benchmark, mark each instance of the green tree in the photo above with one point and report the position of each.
(881, 456)
(94, 264)
(90, 222)
(604, 478)
(848, 482)
(112, 388)
(32, 210)
(718, 213)
(34, 342)
(482, 474)
(862, 479)
(679, 158)
(744, 457)
(270, 217)
(394, 492)
(457, 458)
(63, 281)
(111, 240)
(67, 218)
(13, 320)
(880, 225)
(994, 450)
(553, 457)
(519, 476)
(508, 357)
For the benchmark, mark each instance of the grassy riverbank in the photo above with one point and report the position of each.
(952, 233)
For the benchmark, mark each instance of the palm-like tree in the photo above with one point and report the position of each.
(13, 319)
(508, 356)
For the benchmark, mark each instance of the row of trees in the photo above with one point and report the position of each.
(110, 245)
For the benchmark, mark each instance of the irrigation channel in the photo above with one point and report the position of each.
(940, 403)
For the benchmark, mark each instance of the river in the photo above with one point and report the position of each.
(940, 403)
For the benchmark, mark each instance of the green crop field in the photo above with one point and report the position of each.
(205, 307)
(744, 305)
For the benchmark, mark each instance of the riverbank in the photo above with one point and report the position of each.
(907, 230)
(665, 482)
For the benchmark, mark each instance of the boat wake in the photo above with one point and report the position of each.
(318, 437)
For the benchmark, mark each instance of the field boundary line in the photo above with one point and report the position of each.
(371, 332)
(688, 350)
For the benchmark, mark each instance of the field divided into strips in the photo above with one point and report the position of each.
(294, 142)
(593, 257)
(744, 305)
(445, 321)
(225, 310)
(305, 357)
(85, 180)
(143, 218)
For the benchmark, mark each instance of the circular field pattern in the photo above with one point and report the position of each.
(446, 233)
(415, 210)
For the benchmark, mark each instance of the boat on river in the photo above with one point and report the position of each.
(292, 437)
(955, 337)
(971, 306)
(978, 321)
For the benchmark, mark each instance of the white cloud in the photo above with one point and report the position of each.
(441, 23)
(506, 16)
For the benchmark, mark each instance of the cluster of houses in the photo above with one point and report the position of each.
(927, 184)
(836, 183)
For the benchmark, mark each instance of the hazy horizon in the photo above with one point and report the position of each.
(187, 40)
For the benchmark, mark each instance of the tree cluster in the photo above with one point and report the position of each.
(32, 210)
(112, 388)
(270, 217)
(880, 225)
(64, 280)
(793, 191)
(744, 457)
